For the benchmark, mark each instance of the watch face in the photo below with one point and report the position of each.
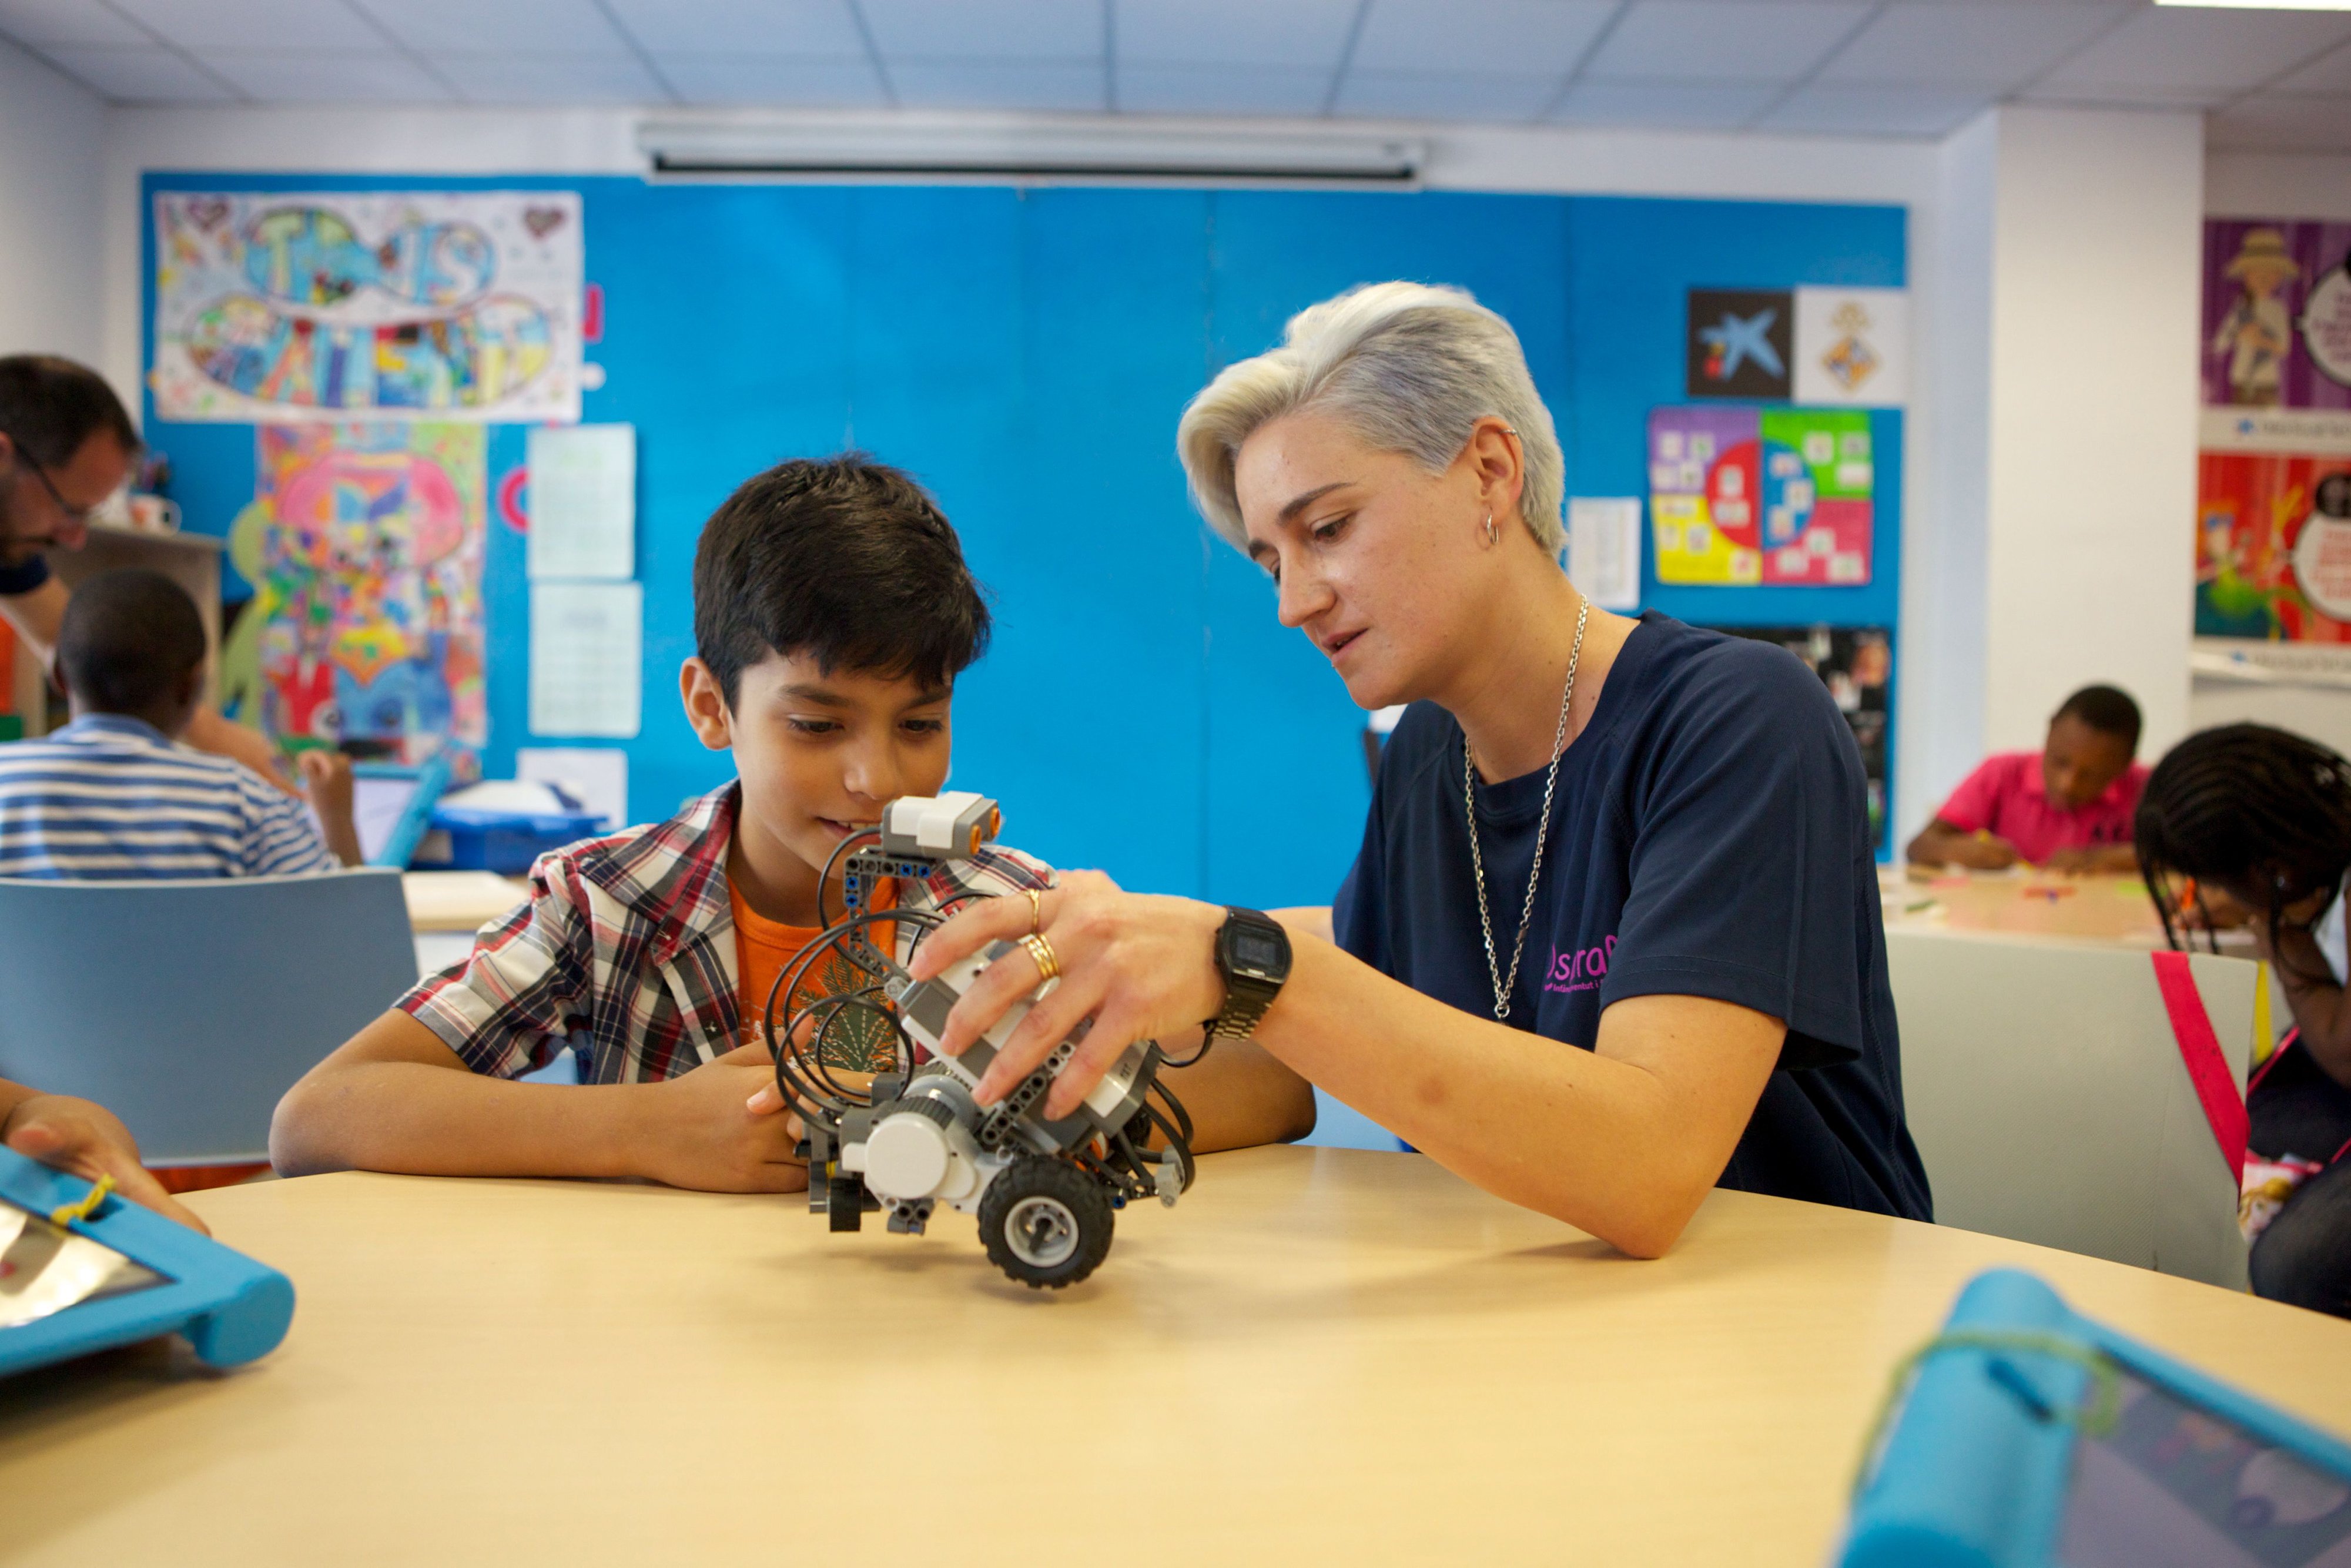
(1256, 950)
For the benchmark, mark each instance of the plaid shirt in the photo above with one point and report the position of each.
(626, 952)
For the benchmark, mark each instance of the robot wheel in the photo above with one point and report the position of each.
(1045, 1222)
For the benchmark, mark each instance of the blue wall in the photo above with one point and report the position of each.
(1026, 353)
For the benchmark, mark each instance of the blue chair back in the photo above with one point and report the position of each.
(188, 1008)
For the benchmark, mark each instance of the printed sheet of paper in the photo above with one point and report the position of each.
(1604, 550)
(585, 655)
(596, 777)
(583, 501)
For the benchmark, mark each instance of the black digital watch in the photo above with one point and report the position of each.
(1253, 956)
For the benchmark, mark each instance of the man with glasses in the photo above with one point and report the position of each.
(67, 445)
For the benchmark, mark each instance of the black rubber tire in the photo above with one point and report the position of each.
(1080, 1197)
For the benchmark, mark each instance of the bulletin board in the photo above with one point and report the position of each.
(1026, 354)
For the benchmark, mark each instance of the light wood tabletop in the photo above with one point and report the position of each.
(1323, 1356)
(2106, 910)
(458, 900)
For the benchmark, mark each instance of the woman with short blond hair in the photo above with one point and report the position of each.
(1612, 938)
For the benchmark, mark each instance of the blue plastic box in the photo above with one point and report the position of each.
(463, 838)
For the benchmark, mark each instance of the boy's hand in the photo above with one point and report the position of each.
(88, 1140)
(711, 1138)
(1983, 852)
(326, 781)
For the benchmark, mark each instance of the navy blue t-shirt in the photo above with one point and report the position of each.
(1710, 838)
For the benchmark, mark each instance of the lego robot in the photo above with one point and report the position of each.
(1044, 1191)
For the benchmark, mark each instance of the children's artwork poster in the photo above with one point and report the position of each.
(371, 304)
(2277, 314)
(2273, 527)
(1856, 664)
(365, 545)
(1743, 496)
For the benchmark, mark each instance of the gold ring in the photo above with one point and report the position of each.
(1036, 909)
(1048, 968)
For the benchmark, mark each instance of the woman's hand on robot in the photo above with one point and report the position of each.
(1138, 965)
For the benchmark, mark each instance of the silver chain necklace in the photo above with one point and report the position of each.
(1504, 986)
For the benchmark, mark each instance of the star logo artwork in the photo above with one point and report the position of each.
(1740, 342)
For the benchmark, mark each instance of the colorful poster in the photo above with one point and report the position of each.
(2273, 528)
(2277, 314)
(1742, 497)
(364, 543)
(284, 306)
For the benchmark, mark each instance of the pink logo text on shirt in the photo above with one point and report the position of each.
(1581, 969)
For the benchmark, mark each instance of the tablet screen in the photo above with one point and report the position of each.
(46, 1269)
(2174, 1483)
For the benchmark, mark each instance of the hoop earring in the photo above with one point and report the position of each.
(1492, 536)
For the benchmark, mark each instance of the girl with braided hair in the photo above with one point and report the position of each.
(2263, 818)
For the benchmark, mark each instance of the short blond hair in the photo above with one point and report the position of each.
(1407, 367)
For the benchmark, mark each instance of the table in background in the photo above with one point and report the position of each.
(1323, 1356)
(2112, 910)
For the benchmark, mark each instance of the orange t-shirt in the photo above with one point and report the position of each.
(766, 950)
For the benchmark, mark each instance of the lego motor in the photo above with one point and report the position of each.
(911, 1136)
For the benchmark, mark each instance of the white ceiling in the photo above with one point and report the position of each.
(2277, 80)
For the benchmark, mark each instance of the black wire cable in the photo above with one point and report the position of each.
(788, 982)
(833, 859)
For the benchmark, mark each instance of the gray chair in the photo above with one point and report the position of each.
(189, 1008)
(2050, 1104)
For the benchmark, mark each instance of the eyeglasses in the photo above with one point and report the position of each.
(76, 515)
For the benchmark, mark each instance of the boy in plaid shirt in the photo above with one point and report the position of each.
(833, 611)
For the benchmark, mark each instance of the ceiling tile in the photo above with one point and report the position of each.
(1690, 105)
(2328, 73)
(256, 23)
(322, 75)
(2277, 123)
(570, 27)
(748, 78)
(1430, 95)
(141, 75)
(39, 21)
(1481, 38)
(2198, 50)
(1987, 45)
(549, 79)
(1849, 110)
(1000, 84)
(720, 29)
(1261, 34)
(987, 29)
(1723, 40)
(1220, 89)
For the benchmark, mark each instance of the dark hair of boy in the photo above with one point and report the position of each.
(842, 559)
(130, 645)
(2106, 709)
(2262, 813)
(49, 406)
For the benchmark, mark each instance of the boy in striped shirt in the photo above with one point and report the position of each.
(114, 795)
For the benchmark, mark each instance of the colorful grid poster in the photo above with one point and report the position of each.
(426, 305)
(364, 543)
(2273, 533)
(1743, 496)
(2277, 314)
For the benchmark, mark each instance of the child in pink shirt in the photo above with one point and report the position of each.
(2066, 808)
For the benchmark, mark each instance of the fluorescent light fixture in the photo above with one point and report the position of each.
(737, 149)
(2262, 5)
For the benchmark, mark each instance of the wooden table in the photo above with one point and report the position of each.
(458, 900)
(2108, 910)
(1323, 1356)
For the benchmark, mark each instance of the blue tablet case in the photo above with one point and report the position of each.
(432, 778)
(2032, 1436)
(230, 1308)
